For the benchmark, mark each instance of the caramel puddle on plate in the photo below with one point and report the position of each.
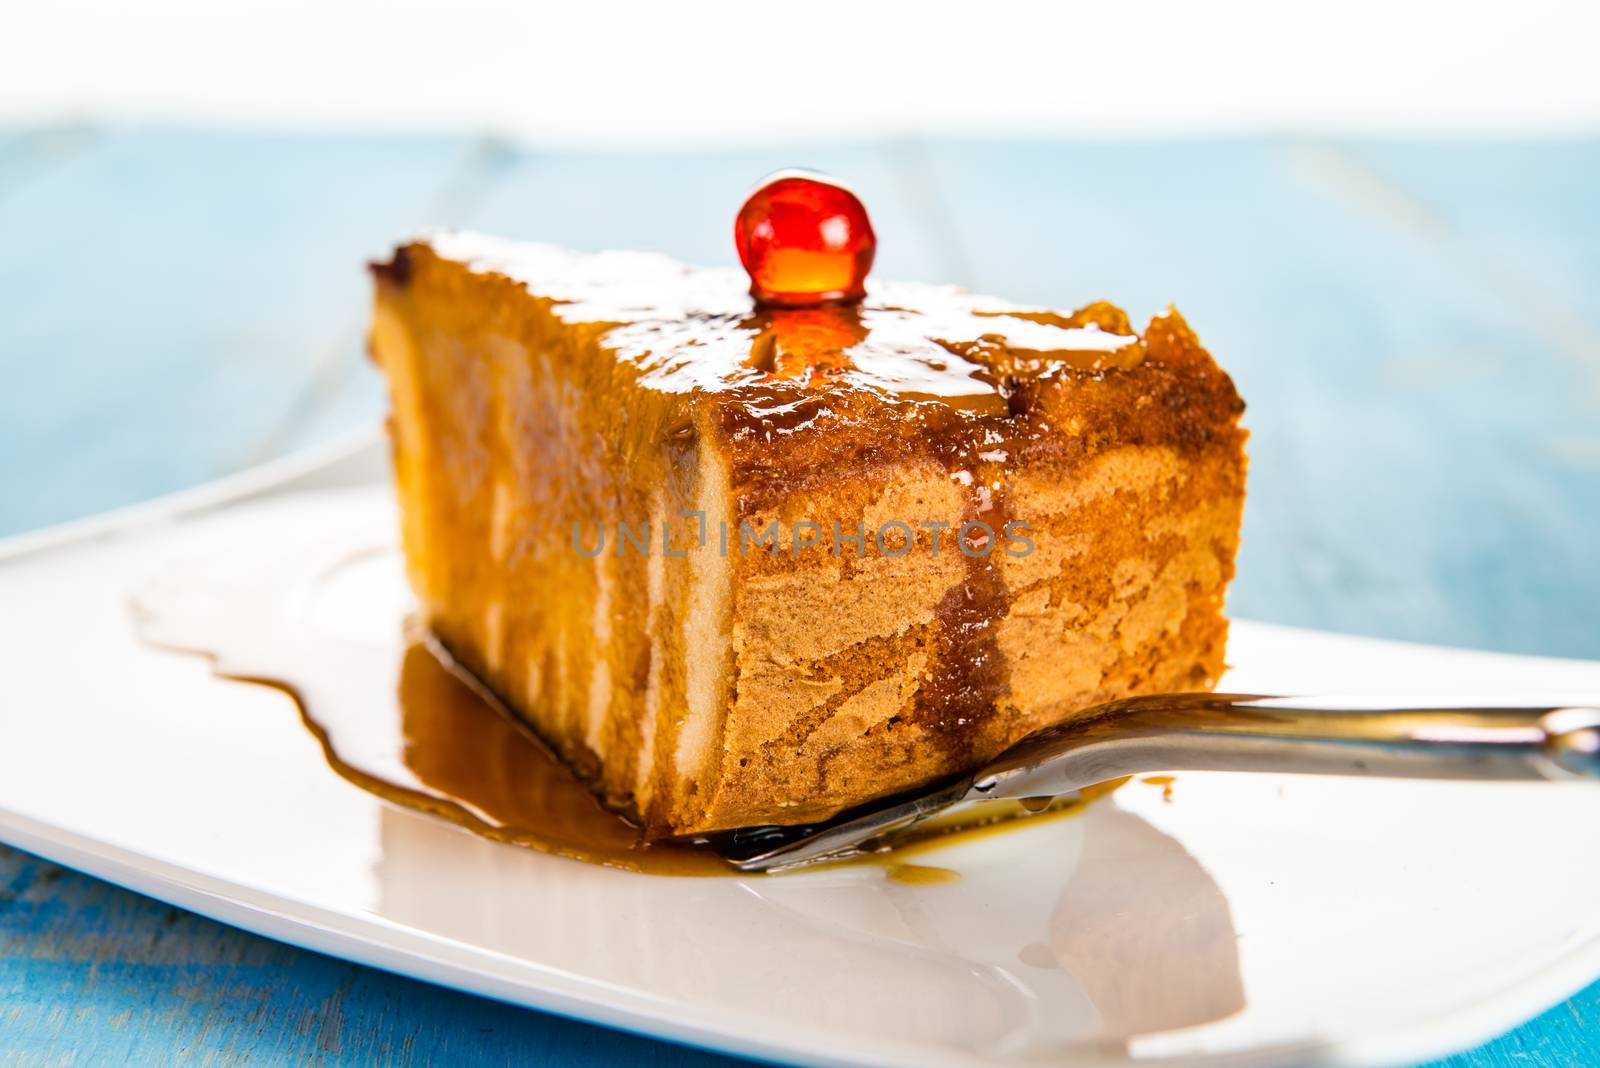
(922, 875)
(443, 747)
(1163, 781)
(441, 744)
(966, 824)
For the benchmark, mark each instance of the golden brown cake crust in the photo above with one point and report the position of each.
(534, 388)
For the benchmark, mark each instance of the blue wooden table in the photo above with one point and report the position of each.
(1415, 326)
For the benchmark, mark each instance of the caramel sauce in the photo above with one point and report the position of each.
(992, 817)
(1163, 781)
(697, 329)
(443, 748)
(969, 675)
(439, 742)
(922, 875)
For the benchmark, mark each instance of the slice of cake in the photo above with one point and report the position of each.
(743, 565)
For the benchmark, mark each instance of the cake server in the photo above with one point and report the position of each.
(1213, 732)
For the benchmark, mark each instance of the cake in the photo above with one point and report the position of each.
(741, 564)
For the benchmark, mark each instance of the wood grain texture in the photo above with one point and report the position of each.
(168, 296)
(1414, 325)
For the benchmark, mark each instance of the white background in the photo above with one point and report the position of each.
(615, 73)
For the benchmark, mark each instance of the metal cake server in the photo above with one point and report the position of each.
(1213, 732)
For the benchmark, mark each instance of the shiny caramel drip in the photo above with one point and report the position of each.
(467, 760)
(683, 330)
(477, 767)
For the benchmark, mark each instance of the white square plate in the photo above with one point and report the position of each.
(1248, 919)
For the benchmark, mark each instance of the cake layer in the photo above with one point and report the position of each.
(744, 566)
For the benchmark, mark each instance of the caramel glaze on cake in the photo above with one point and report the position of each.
(696, 689)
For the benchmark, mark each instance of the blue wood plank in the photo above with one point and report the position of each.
(31, 154)
(1525, 214)
(168, 295)
(1564, 1037)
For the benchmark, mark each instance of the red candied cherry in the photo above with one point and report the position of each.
(804, 239)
